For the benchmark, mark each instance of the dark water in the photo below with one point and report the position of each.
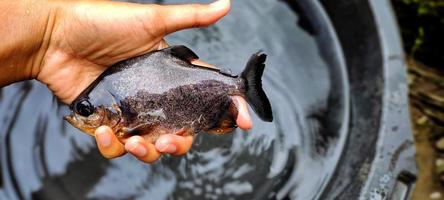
(43, 157)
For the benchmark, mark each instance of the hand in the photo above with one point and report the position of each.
(85, 37)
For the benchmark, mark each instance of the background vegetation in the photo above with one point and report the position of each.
(422, 26)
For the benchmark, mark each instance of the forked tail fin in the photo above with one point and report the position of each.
(254, 93)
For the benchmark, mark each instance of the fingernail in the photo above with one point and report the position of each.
(165, 147)
(219, 3)
(136, 148)
(104, 139)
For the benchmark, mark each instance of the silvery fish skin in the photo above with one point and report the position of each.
(163, 93)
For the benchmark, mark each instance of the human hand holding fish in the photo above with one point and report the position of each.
(68, 44)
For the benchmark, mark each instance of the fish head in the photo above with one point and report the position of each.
(87, 117)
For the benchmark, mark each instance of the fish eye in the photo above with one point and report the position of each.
(84, 108)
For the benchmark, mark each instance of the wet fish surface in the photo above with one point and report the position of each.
(162, 92)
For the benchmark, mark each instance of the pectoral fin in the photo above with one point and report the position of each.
(138, 130)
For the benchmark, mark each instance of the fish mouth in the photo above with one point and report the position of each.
(74, 120)
(83, 123)
(71, 118)
(77, 122)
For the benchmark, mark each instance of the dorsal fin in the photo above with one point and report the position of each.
(223, 71)
(182, 52)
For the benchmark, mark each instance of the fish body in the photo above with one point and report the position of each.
(163, 93)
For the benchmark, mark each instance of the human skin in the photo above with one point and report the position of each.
(68, 44)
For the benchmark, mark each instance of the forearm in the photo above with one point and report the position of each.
(24, 36)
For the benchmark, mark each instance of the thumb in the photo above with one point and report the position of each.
(178, 17)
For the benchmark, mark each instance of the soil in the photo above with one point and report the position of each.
(427, 115)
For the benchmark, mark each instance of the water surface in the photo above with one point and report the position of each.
(45, 158)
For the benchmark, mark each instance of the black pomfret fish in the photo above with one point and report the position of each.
(163, 93)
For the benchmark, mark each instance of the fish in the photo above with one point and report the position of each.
(162, 92)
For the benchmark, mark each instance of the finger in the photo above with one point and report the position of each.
(243, 117)
(142, 150)
(174, 144)
(178, 17)
(109, 145)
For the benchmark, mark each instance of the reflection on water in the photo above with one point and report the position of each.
(45, 158)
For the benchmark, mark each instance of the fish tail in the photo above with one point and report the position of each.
(254, 94)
